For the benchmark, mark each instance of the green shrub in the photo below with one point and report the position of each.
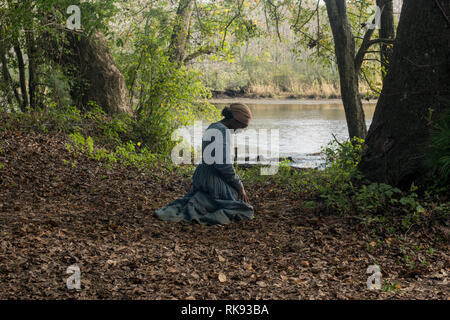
(126, 154)
(439, 155)
(164, 94)
(343, 155)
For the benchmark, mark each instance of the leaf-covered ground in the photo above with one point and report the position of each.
(57, 210)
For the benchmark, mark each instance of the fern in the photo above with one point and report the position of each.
(439, 156)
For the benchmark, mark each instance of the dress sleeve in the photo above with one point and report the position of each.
(229, 175)
(226, 168)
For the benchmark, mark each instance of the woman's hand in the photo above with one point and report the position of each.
(242, 195)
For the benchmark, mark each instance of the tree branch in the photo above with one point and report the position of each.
(276, 18)
(368, 82)
(231, 21)
(201, 51)
(386, 41)
(365, 45)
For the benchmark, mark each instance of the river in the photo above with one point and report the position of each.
(304, 126)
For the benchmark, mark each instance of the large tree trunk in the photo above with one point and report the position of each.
(418, 77)
(348, 72)
(105, 83)
(89, 62)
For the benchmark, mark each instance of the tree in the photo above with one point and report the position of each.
(95, 77)
(352, 50)
(34, 44)
(177, 50)
(349, 65)
(415, 95)
(350, 61)
(387, 31)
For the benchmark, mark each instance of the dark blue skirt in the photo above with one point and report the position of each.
(210, 201)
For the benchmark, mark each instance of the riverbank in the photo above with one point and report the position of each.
(60, 208)
(244, 95)
(280, 101)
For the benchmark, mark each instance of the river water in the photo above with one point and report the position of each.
(304, 126)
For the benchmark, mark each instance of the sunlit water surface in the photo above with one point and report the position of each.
(303, 128)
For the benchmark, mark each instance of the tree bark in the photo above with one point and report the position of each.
(7, 79)
(387, 31)
(179, 40)
(22, 79)
(89, 62)
(418, 79)
(32, 69)
(348, 73)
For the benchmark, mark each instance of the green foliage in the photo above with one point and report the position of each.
(438, 158)
(373, 197)
(51, 119)
(341, 159)
(340, 188)
(165, 95)
(343, 155)
(172, 97)
(126, 154)
(269, 68)
(28, 24)
(284, 163)
(346, 190)
(111, 133)
(390, 287)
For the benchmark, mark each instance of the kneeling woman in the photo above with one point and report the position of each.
(217, 195)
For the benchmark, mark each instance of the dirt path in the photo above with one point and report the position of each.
(53, 215)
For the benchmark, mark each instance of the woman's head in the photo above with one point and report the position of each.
(237, 115)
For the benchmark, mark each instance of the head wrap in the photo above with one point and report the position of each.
(241, 113)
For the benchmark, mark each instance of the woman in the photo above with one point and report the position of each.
(217, 195)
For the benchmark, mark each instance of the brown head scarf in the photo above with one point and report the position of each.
(241, 113)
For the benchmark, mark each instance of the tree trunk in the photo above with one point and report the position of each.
(32, 70)
(7, 79)
(387, 31)
(89, 62)
(418, 79)
(179, 40)
(22, 79)
(348, 73)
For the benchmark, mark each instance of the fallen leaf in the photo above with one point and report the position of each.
(222, 277)
(261, 284)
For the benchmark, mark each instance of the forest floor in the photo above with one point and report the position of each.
(57, 210)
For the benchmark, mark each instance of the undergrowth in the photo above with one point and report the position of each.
(341, 189)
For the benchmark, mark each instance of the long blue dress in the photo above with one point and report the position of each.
(213, 197)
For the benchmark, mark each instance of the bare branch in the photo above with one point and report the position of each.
(365, 45)
(298, 13)
(275, 11)
(231, 21)
(369, 83)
